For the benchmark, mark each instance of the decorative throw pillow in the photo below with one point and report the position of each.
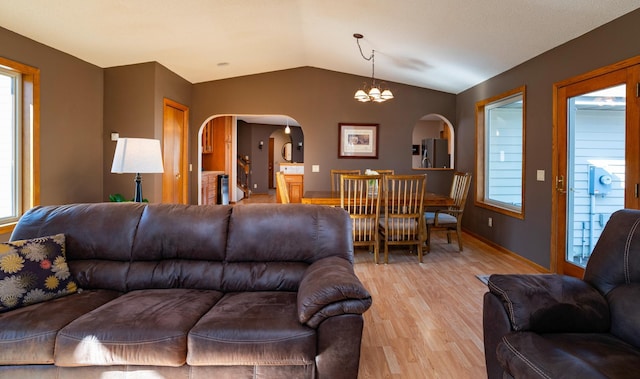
(33, 271)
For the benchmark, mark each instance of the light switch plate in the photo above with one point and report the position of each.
(115, 136)
(315, 168)
(540, 175)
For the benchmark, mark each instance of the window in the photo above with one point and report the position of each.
(10, 197)
(19, 131)
(500, 128)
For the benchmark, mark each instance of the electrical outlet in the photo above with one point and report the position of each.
(490, 222)
(255, 185)
(315, 168)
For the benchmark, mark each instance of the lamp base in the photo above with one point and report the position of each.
(138, 196)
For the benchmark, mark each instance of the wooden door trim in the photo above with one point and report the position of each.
(559, 116)
(183, 144)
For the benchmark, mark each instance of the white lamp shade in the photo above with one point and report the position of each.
(137, 155)
(374, 93)
(361, 95)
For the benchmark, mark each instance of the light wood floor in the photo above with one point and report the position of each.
(426, 319)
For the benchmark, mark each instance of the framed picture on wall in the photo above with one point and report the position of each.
(358, 140)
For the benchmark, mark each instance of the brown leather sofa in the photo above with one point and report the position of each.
(555, 326)
(174, 291)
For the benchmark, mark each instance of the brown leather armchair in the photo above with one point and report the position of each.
(555, 326)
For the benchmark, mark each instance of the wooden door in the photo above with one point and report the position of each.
(596, 159)
(175, 128)
(271, 163)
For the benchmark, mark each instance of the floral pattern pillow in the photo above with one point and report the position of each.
(33, 271)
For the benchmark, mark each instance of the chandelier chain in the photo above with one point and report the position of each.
(371, 58)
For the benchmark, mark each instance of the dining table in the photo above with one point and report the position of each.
(332, 198)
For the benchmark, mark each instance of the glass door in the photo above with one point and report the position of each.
(597, 161)
(595, 167)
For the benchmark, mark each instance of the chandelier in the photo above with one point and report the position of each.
(373, 93)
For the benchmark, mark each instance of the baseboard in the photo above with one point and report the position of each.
(504, 250)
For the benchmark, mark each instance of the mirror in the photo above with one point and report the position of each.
(286, 151)
(433, 142)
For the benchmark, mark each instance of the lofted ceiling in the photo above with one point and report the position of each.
(447, 45)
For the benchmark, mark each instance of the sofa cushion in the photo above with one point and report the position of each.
(625, 308)
(33, 271)
(28, 334)
(567, 355)
(252, 328)
(145, 327)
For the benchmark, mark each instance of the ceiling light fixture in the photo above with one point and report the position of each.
(374, 93)
(287, 129)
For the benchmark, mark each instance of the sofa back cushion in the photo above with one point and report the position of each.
(271, 245)
(616, 257)
(179, 246)
(625, 308)
(98, 238)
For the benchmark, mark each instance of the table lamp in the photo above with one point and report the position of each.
(138, 156)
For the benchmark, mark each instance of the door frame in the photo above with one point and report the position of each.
(559, 153)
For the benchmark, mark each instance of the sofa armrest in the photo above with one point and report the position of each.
(328, 288)
(550, 303)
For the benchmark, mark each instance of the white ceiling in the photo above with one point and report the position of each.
(447, 45)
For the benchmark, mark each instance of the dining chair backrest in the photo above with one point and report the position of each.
(402, 223)
(282, 187)
(335, 178)
(360, 196)
(460, 190)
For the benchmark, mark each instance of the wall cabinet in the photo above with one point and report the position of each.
(207, 138)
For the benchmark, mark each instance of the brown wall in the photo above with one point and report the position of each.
(133, 106)
(530, 237)
(70, 121)
(319, 100)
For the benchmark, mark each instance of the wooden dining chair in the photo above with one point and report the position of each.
(335, 178)
(282, 187)
(360, 196)
(401, 223)
(450, 218)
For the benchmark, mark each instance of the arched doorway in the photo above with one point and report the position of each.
(246, 151)
(433, 142)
